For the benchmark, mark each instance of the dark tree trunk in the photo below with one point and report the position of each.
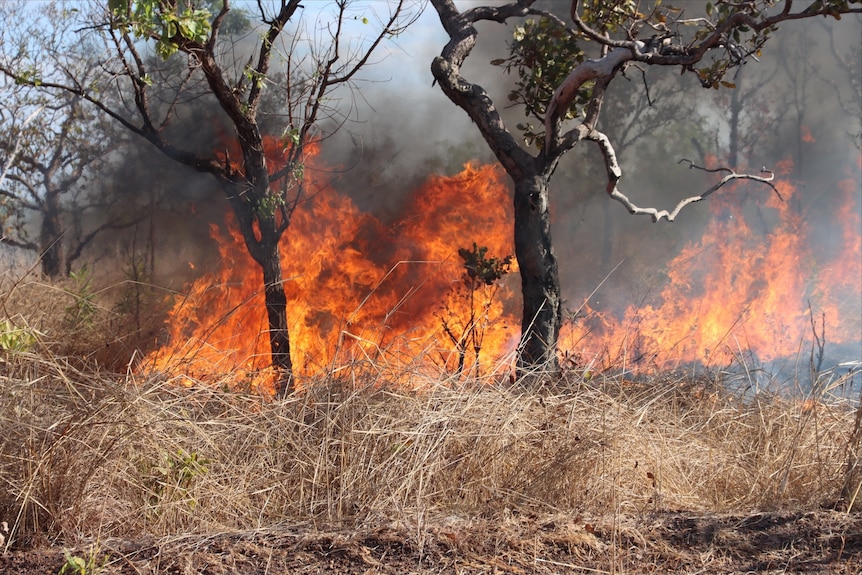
(51, 241)
(261, 234)
(540, 279)
(276, 312)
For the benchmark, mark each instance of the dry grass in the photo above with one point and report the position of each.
(89, 454)
(82, 323)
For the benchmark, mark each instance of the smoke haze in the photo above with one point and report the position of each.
(405, 130)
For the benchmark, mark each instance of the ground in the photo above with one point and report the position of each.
(813, 543)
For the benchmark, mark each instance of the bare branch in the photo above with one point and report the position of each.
(388, 30)
(84, 241)
(614, 174)
(11, 159)
(24, 245)
(215, 27)
(276, 25)
(592, 69)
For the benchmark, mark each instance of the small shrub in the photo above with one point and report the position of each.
(175, 476)
(83, 310)
(15, 339)
(92, 564)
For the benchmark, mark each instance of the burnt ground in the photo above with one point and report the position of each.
(817, 542)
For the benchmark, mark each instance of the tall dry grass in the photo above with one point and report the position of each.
(86, 453)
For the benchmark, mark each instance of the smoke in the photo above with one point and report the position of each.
(803, 113)
(401, 129)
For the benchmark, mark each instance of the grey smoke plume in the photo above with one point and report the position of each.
(409, 129)
(405, 129)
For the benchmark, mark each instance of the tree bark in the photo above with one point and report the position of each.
(52, 255)
(540, 278)
(261, 234)
(540, 281)
(276, 312)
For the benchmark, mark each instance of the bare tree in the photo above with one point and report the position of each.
(849, 91)
(53, 205)
(306, 52)
(565, 93)
(50, 147)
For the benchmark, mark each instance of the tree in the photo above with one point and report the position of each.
(194, 61)
(52, 203)
(50, 147)
(564, 90)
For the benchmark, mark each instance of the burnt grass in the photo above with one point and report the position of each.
(813, 542)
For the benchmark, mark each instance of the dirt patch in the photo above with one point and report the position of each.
(814, 543)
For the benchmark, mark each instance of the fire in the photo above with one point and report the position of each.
(739, 291)
(391, 296)
(358, 289)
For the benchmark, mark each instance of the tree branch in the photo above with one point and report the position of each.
(565, 94)
(262, 69)
(11, 159)
(472, 98)
(18, 243)
(614, 174)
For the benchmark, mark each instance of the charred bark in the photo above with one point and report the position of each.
(276, 312)
(540, 279)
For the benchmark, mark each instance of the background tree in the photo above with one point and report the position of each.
(564, 89)
(305, 53)
(51, 146)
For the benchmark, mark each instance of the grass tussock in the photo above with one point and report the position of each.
(87, 454)
(79, 322)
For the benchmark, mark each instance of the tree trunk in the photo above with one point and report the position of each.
(276, 312)
(540, 278)
(51, 241)
(261, 235)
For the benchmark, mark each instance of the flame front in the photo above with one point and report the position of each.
(391, 295)
(357, 290)
(740, 294)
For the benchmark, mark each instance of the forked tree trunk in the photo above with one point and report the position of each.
(540, 278)
(261, 236)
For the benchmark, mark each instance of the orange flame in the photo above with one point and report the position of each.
(383, 296)
(738, 291)
(357, 290)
